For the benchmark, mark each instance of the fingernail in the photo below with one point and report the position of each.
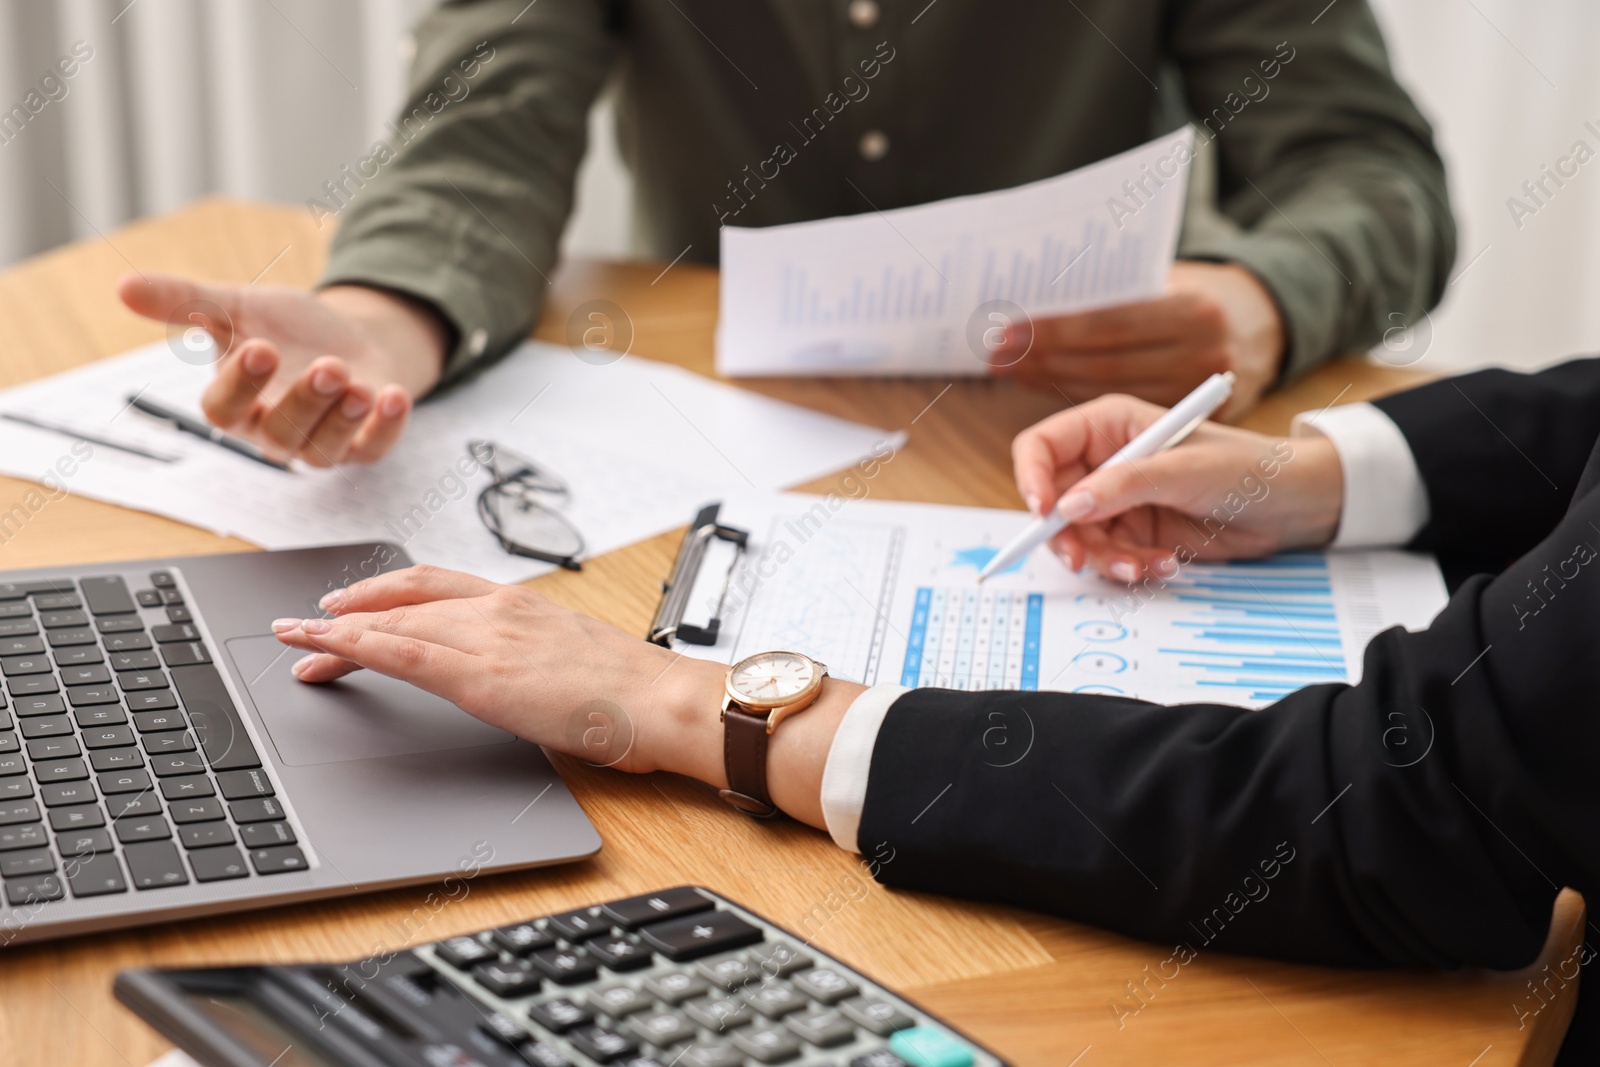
(1032, 500)
(301, 664)
(331, 601)
(1075, 505)
(316, 626)
(326, 383)
(1122, 570)
(281, 626)
(392, 406)
(354, 407)
(258, 362)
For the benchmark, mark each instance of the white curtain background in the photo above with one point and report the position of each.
(268, 98)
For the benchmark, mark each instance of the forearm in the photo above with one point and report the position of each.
(465, 206)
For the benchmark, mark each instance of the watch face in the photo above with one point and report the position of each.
(772, 678)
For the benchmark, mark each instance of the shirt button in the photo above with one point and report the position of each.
(863, 14)
(874, 145)
(477, 341)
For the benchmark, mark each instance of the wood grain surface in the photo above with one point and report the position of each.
(1038, 990)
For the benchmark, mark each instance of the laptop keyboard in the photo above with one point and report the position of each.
(124, 765)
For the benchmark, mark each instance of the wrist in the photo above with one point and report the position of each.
(683, 735)
(413, 336)
(1318, 499)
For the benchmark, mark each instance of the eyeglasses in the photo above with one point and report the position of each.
(519, 507)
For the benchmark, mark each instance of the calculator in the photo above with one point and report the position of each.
(682, 977)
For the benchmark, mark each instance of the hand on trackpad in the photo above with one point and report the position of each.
(358, 717)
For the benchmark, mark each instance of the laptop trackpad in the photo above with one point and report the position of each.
(358, 717)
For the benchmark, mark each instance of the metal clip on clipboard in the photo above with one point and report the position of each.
(668, 624)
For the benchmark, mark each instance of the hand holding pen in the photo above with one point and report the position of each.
(1225, 493)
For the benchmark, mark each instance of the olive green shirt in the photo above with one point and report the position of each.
(756, 112)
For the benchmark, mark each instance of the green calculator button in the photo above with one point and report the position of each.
(928, 1046)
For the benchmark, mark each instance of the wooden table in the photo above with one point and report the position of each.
(1036, 989)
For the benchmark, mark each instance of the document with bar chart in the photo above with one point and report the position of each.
(888, 592)
(928, 289)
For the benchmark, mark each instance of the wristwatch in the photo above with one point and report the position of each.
(760, 692)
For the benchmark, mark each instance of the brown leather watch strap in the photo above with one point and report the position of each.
(744, 759)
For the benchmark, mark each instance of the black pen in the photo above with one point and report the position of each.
(199, 428)
(68, 431)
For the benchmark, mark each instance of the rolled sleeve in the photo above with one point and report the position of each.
(844, 776)
(1385, 498)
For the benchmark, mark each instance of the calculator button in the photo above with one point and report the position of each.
(824, 984)
(717, 1012)
(694, 936)
(503, 979)
(568, 966)
(619, 953)
(772, 999)
(13, 812)
(709, 1055)
(617, 1000)
(498, 1024)
(825, 1027)
(727, 971)
(766, 1043)
(879, 1058)
(675, 987)
(599, 1043)
(777, 959)
(15, 837)
(879, 1016)
(663, 1029)
(577, 925)
(463, 952)
(632, 912)
(928, 1046)
(542, 1055)
(559, 1015)
(519, 939)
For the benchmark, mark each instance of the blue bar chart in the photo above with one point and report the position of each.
(1258, 630)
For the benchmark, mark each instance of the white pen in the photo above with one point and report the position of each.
(1183, 419)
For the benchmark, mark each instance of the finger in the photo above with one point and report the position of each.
(287, 424)
(413, 585)
(240, 378)
(383, 427)
(159, 296)
(440, 670)
(1176, 317)
(321, 667)
(1065, 446)
(1168, 479)
(330, 440)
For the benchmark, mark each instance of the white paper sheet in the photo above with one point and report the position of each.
(641, 444)
(888, 592)
(919, 290)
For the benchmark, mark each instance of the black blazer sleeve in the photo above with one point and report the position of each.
(1428, 815)
(1501, 454)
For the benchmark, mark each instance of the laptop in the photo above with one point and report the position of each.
(159, 761)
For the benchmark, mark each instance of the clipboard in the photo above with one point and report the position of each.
(668, 624)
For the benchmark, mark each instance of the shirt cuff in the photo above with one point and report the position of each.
(844, 776)
(1385, 499)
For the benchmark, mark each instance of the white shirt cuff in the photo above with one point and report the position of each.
(844, 776)
(1385, 500)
